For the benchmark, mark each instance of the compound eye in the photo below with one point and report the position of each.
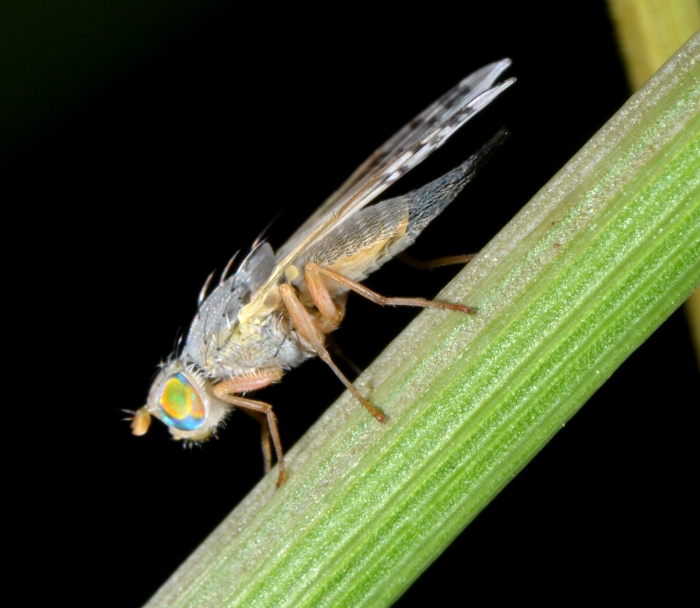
(180, 405)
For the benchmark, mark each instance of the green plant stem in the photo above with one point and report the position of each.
(648, 33)
(575, 282)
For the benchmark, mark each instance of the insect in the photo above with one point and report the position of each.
(275, 310)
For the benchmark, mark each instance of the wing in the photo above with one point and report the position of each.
(406, 149)
(437, 113)
(377, 233)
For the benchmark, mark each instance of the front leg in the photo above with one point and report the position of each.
(227, 391)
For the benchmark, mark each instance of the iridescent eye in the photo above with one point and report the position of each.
(180, 405)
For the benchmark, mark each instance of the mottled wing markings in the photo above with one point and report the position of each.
(412, 148)
(437, 113)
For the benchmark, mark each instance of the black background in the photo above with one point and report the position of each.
(124, 207)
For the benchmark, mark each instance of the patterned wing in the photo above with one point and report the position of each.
(439, 112)
(401, 153)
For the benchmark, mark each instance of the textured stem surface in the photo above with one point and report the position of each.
(648, 33)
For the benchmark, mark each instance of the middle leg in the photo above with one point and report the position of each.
(306, 326)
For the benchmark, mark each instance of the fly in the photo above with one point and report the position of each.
(274, 312)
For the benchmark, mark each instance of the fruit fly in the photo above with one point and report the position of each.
(276, 309)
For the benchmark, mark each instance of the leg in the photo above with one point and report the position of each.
(333, 347)
(306, 326)
(324, 301)
(262, 412)
(437, 263)
(265, 436)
